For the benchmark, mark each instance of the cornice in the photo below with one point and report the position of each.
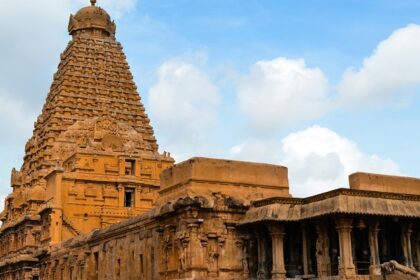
(334, 193)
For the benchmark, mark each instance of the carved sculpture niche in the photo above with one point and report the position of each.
(112, 143)
(98, 134)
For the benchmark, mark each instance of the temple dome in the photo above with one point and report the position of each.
(91, 18)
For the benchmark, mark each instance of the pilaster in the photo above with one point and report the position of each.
(322, 250)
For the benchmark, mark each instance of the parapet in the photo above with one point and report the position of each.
(384, 183)
(205, 176)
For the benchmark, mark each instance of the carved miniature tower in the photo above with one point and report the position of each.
(93, 159)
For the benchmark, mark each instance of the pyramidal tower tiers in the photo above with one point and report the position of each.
(93, 159)
(93, 81)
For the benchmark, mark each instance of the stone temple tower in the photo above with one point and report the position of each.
(93, 159)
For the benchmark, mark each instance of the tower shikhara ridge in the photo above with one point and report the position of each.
(93, 81)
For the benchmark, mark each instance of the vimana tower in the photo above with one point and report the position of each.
(94, 198)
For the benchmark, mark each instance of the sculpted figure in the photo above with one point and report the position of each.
(182, 257)
(245, 260)
(213, 256)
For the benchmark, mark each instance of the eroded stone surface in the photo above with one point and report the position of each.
(95, 199)
(93, 159)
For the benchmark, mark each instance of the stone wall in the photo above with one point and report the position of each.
(384, 183)
(190, 239)
(190, 235)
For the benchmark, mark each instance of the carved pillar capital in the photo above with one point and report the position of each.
(374, 226)
(276, 229)
(343, 224)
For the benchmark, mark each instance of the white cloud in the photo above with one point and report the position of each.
(183, 105)
(33, 35)
(15, 126)
(257, 150)
(18, 121)
(389, 75)
(318, 159)
(281, 91)
(29, 53)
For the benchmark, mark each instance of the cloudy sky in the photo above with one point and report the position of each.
(323, 87)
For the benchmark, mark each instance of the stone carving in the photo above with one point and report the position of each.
(182, 255)
(245, 260)
(92, 121)
(213, 260)
(16, 178)
(82, 202)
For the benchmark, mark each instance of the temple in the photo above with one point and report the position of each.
(94, 198)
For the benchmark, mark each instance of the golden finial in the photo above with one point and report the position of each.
(93, 2)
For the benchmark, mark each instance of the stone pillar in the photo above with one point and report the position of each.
(172, 258)
(194, 256)
(305, 252)
(90, 266)
(262, 256)
(406, 231)
(375, 265)
(102, 262)
(231, 257)
(346, 266)
(277, 236)
(246, 256)
(418, 250)
(323, 260)
(213, 254)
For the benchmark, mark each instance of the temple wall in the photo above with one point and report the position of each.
(191, 241)
(384, 183)
(191, 234)
(243, 180)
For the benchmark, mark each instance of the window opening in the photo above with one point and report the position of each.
(96, 256)
(129, 197)
(130, 165)
(141, 264)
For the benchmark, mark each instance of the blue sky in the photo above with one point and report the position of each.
(324, 87)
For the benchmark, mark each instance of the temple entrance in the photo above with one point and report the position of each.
(361, 251)
(311, 239)
(293, 250)
(334, 247)
(390, 241)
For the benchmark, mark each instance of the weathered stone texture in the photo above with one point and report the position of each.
(93, 159)
(384, 183)
(94, 199)
(241, 180)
